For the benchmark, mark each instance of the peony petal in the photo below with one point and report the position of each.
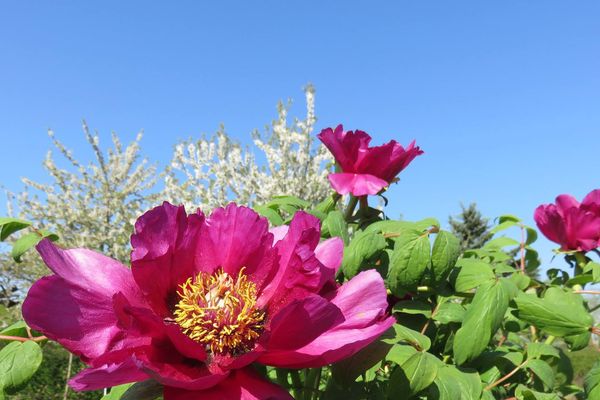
(551, 223)
(243, 384)
(302, 321)
(164, 245)
(279, 232)
(564, 202)
(234, 237)
(330, 253)
(89, 270)
(107, 376)
(80, 319)
(357, 184)
(591, 202)
(363, 302)
(299, 272)
(583, 229)
(345, 146)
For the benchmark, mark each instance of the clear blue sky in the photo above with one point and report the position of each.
(504, 97)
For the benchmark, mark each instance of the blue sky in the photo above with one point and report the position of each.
(504, 97)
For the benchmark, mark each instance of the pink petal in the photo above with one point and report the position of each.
(591, 202)
(107, 376)
(357, 184)
(299, 272)
(164, 246)
(330, 253)
(243, 384)
(345, 146)
(551, 223)
(90, 270)
(234, 237)
(363, 303)
(583, 229)
(80, 319)
(279, 232)
(300, 322)
(564, 202)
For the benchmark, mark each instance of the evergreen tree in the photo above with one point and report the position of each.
(470, 227)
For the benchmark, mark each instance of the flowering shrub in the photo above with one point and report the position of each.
(315, 301)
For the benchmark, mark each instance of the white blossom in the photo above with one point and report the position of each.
(213, 171)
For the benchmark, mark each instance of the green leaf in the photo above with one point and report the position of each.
(482, 319)
(503, 226)
(336, 225)
(559, 313)
(501, 242)
(145, 390)
(537, 350)
(592, 382)
(521, 281)
(18, 362)
(472, 273)
(452, 384)
(414, 338)
(413, 307)
(9, 226)
(117, 392)
(270, 214)
(19, 328)
(399, 353)
(578, 342)
(364, 245)
(279, 201)
(445, 252)
(409, 261)
(595, 268)
(398, 227)
(522, 392)
(543, 371)
(449, 312)
(346, 371)
(413, 376)
(23, 244)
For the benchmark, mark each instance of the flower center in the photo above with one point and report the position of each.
(220, 312)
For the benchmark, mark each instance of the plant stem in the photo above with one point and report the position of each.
(586, 291)
(317, 384)
(505, 377)
(296, 383)
(351, 206)
(22, 339)
(69, 366)
(522, 249)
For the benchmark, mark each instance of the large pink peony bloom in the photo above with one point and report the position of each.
(204, 299)
(573, 225)
(365, 170)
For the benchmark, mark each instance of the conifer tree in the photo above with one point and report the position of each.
(470, 227)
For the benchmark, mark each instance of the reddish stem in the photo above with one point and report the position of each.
(22, 339)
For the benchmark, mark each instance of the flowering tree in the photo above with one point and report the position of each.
(318, 301)
(210, 172)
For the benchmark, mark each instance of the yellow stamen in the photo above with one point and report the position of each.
(220, 312)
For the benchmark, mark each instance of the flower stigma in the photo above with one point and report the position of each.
(220, 312)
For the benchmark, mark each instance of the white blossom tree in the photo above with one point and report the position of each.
(212, 171)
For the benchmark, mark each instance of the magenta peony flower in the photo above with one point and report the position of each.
(573, 225)
(365, 170)
(204, 299)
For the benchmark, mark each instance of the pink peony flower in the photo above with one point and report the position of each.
(365, 170)
(573, 225)
(204, 299)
